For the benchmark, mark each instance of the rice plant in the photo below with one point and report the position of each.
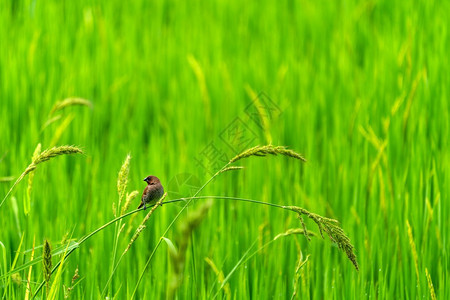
(359, 88)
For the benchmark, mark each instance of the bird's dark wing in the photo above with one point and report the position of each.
(144, 196)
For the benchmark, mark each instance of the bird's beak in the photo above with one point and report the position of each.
(145, 179)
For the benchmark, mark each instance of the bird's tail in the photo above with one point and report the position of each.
(141, 205)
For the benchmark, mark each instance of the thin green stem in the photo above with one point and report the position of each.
(184, 200)
(170, 226)
(82, 240)
(27, 170)
(235, 268)
(115, 245)
(88, 236)
(227, 198)
(190, 199)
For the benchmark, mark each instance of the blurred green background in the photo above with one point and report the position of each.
(360, 88)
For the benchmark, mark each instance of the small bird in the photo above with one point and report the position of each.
(152, 192)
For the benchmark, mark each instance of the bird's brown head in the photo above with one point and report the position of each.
(151, 180)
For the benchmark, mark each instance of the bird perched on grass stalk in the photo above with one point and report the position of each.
(152, 192)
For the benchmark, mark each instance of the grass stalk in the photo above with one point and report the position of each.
(42, 157)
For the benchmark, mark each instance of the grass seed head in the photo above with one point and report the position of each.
(56, 151)
(130, 197)
(47, 262)
(332, 229)
(232, 168)
(122, 179)
(266, 150)
(70, 102)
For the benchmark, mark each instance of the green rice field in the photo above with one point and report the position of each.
(303, 147)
